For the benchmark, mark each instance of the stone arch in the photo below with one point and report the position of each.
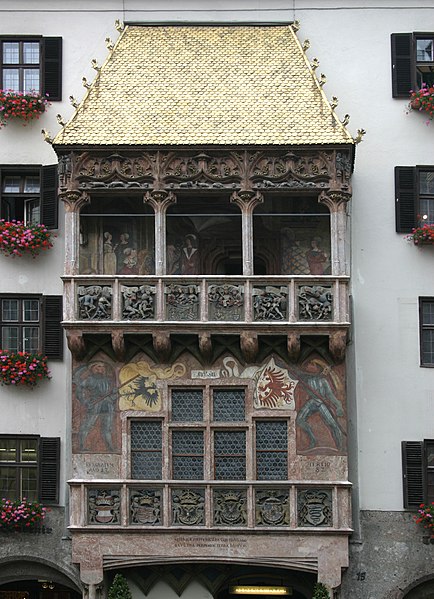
(423, 588)
(27, 568)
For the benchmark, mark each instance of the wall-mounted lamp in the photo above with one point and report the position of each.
(259, 590)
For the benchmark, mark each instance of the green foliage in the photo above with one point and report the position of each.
(320, 591)
(119, 589)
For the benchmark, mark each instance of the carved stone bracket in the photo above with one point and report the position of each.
(205, 346)
(76, 344)
(338, 344)
(293, 344)
(159, 199)
(335, 200)
(118, 344)
(162, 345)
(74, 200)
(249, 345)
(247, 200)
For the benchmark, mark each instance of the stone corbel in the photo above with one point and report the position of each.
(247, 199)
(338, 344)
(335, 200)
(74, 200)
(249, 345)
(293, 346)
(159, 199)
(162, 345)
(76, 344)
(118, 344)
(205, 346)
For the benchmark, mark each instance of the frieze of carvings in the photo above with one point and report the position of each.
(188, 507)
(314, 507)
(226, 302)
(145, 507)
(182, 302)
(270, 303)
(315, 302)
(94, 302)
(230, 507)
(138, 302)
(226, 169)
(114, 170)
(272, 507)
(103, 506)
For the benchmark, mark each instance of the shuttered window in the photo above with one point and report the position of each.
(32, 323)
(418, 472)
(32, 64)
(28, 193)
(412, 62)
(414, 197)
(29, 467)
(426, 331)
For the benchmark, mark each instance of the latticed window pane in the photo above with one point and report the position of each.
(11, 79)
(229, 455)
(10, 309)
(29, 450)
(228, 405)
(271, 450)
(31, 52)
(11, 52)
(187, 405)
(31, 339)
(146, 450)
(31, 80)
(29, 483)
(10, 338)
(187, 454)
(8, 481)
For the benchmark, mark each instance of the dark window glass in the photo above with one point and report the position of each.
(146, 450)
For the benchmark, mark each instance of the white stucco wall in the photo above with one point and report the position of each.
(352, 41)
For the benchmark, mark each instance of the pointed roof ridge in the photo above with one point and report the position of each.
(208, 85)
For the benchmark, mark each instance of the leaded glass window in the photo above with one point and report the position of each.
(229, 455)
(229, 405)
(146, 450)
(187, 405)
(271, 450)
(187, 455)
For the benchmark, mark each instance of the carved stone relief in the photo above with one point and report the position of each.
(315, 302)
(103, 506)
(145, 507)
(226, 302)
(272, 507)
(188, 507)
(314, 507)
(230, 507)
(182, 302)
(269, 303)
(94, 302)
(138, 302)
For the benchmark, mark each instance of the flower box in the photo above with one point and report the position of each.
(21, 106)
(17, 239)
(22, 368)
(16, 515)
(423, 235)
(425, 516)
(422, 100)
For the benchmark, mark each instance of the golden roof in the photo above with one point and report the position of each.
(205, 85)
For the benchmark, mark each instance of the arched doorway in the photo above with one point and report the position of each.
(31, 579)
(422, 590)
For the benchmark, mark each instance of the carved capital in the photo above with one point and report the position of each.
(247, 200)
(76, 344)
(249, 345)
(205, 346)
(338, 344)
(335, 200)
(159, 199)
(293, 345)
(162, 345)
(118, 344)
(74, 200)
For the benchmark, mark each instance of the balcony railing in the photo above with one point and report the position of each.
(219, 299)
(302, 506)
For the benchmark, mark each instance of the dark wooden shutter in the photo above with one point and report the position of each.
(405, 198)
(402, 64)
(53, 332)
(49, 466)
(412, 473)
(49, 201)
(52, 68)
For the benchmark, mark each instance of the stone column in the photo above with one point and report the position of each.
(160, 200)
(247, 202)
(73, 200)
(336, 201)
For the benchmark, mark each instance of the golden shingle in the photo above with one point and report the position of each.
(208, 85)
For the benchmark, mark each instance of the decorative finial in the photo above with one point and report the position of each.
(306, 45)
(334, 102)
(359, 136)
(60, 120)
(85, 83)
(47, 136)
(322, 79)
(296, 25)
(119, 25)
(94, 64)
(73, 101)
(314, 64)
(108, 42)
(345, 120)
